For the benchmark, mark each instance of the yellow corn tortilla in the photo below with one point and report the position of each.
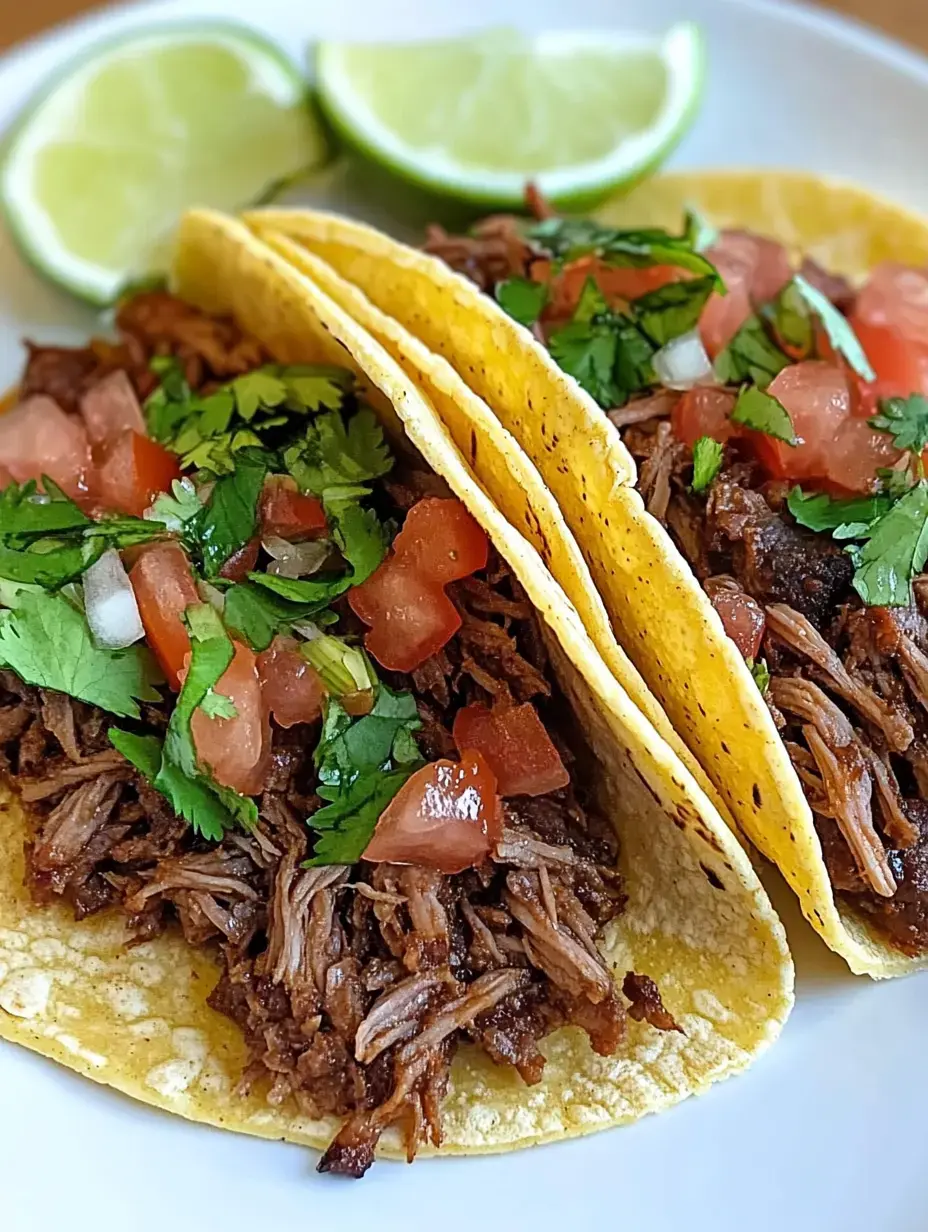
(659, 613)
(698, 921)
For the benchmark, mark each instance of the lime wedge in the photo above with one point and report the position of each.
(579, 113)
(106, 157)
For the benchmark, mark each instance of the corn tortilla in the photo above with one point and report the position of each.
(659, 613)
(698, 920)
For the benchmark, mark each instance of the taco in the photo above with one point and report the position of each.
(327, 822)
(778, 432)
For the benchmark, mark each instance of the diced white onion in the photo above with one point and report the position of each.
(293, 560)
(307, 629)
(683, 362)
(109, 603)
(211, 595)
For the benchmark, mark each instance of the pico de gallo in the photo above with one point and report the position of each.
(779, 417)
(262, 683)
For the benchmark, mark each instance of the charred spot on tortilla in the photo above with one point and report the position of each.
(712, 877)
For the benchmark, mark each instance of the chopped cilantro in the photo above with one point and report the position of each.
(567, 239)
(707, 462)
(218, 706)
(361, 764)
(605, 352)
(359, 534)
(144, 752)
(821, 512)
(672, 310)
(46, 641)
(176, 508)
(231, 515)
(906, 421)
(761, 674)
(752, 355)
(762, 412)
(334, 452)
(257, 614)
(789, 316)
(895, 552)
(837, 327)
(522, 299)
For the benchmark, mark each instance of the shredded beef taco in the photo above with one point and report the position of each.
(326, 821)
(757, 371)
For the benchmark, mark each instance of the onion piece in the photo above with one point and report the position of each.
(109, 603)
(293, 560)
(683, 362)
(211, 595)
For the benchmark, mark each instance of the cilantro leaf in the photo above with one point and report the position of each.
(672, 310)
(231, 515)
(761, 674)
(27, 514)
(567, 239)
(837, 327)
(819, 511)
(176, 508)
(218, 706)
(358, 533)
(895, 552)
(335, 453)
(789, 316)
(316, 387)
(588, 354)
(361, 764)
(751, 356)
(906, 421)
(261, 388)
(143, 751)
(169, 404)
(522, 299)
(46, 641)
(257, 614)
(707, 462)
(762, 412)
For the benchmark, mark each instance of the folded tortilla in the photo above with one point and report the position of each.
(698, 921)
(659, 613)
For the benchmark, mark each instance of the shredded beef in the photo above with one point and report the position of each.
(353, 986)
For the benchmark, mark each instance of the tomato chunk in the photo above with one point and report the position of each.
(134, 470)
(442, 540)
(703, 411)
(292, 690)
(616, 282)
(286, 512)
(37, 438)
(447, 816)
(242, 562)
(818, 399)
(410, 617)
(857, 453)
(743, 618)
(754, 270)
(516, 747)
(901, 366)
(236, 750)
(111, 408)
(164, 589)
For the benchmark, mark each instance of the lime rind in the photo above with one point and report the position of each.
(34, 227)
(681, 50)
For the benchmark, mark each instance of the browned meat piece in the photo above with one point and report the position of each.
(494, 251)
(646, 1004)
(397, 1015)
(845, 775)
(162, 324)
(834, 287)
(653, 406)
(655, 475)
(799, 634)
(58, 717)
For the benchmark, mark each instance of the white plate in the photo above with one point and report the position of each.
(826, 1132)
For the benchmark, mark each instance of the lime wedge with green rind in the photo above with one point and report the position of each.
(475, 118)
(109, 153)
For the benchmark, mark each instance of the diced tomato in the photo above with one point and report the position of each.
(817, 397)
(901, 365)
(292, 689)
(442, 540)
(110, 408)
(703, 411)
(242, 562)
(410, 618)
(446, 816)
(37, 438)
(237, 750)
(743, 618)
(134, 470)
(856, 454)
(616, 282)
(286, 512)
(164, 589)
(5, 477)
(754, 270)
(896, 297)
(516, 747)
